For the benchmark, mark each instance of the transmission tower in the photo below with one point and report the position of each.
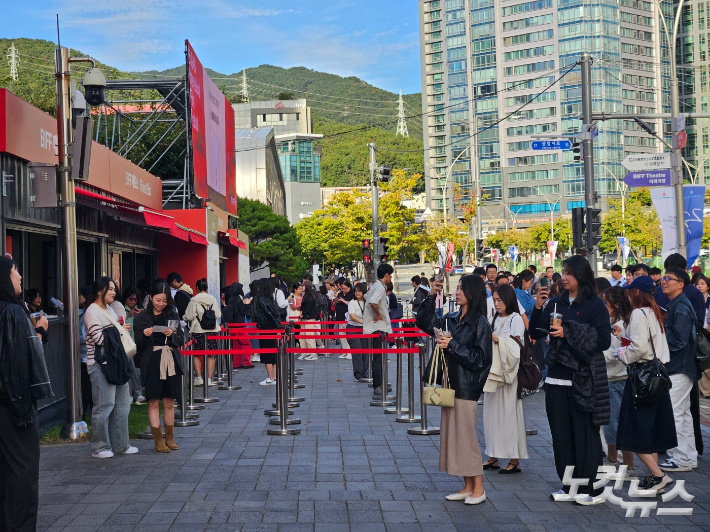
(401, 118)
(245, 88)
(14, 60)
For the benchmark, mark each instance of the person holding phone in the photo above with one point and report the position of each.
(576, 400)
(161, 365)
(132, 307)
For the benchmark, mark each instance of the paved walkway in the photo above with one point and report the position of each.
(352, 468)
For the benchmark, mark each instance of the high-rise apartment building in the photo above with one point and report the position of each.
(693, 58)
(491, 69)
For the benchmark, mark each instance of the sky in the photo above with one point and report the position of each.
(376, 40)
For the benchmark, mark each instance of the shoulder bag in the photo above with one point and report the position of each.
(702, 343)
(648, 379)
(128, 344)
(432, 395)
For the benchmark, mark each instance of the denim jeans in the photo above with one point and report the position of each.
(109, 416)
(616, 392)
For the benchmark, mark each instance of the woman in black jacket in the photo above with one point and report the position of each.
(576, 391)
(468, 352)
(310, 312)
(236, 312)
(23, 380)
(161, 365)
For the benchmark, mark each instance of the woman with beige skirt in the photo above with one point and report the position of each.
(468, 356)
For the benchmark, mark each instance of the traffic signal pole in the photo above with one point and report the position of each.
(375, 208)
(590, 194)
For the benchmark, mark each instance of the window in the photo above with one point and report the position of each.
(518, 192)
(534, 98)
(519, 146)
(533, 159)
(534, 208)
(531, 129)
(527, 6)
(529, 52)
(533, 175)
(529, 67)
(528, 114)
(527, 22)
(529, 83)
(529, 37)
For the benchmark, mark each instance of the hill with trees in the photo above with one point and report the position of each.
(349, 112)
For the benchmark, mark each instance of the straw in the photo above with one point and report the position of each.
(555, 308)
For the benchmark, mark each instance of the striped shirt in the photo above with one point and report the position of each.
(94, 324)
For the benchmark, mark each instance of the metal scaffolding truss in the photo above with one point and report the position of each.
(123, 125)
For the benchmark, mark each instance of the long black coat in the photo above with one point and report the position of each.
(145, 320)
(470, 352)
(23, 372)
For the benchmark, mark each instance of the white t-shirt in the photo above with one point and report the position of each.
(377, 296)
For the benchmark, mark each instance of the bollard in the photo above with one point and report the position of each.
(228, 384)
(369, 364)
(385, 399)
(398, 410)
(423, 430)
(410, 417)
(282, 389)
(186, 420)
(293, 381)
(276, 407)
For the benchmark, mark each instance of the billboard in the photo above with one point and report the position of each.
(212, 132)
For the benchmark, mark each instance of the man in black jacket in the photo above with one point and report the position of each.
(420, 294)
(183, 293)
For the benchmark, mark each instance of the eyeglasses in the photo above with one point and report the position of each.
(668, 278)
(132, 298)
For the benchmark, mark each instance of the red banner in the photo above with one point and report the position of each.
(212, 126)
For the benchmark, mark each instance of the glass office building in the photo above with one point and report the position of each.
(485, 65)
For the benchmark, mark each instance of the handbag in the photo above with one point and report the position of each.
(432, 395)
(648, 379)
(529, 374)
(129, 345)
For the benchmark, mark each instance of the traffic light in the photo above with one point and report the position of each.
(578, 236)
(384, 172)
(383, 252)
(366, 251)
(480, 246)
(593, 227)
(578, 151)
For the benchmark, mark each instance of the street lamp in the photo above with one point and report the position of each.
(698, 169)
(552, 210)
(95, 85)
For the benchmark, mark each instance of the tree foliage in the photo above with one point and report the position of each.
(333, 235)
(272, 240)
(639, 223)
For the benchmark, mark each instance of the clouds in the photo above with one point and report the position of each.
(371, 39)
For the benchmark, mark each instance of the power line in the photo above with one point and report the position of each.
(493, 124)
(14, 60)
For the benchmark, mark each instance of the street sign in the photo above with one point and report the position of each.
(679, 123)
(644, 162)
(655, 178)
(680, 140)
(551, 145)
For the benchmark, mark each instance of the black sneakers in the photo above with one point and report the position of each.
(652, 482)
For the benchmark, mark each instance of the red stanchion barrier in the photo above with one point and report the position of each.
(353, 351)
(245, 337)
(408, 335)
(346, 336)
(213, 352)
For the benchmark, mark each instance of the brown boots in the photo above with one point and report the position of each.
(170, 437)
(158, 437)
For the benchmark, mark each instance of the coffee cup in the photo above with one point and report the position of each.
(555, 319)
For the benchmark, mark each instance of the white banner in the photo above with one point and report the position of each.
(664, 202)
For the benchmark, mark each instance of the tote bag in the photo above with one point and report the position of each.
(434, 396)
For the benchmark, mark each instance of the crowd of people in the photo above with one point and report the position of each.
(588, 337)
(592, 338)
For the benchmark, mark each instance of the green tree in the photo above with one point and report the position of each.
(272, 241)
(639, 223)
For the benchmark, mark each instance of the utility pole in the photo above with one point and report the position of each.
(402, 119)
(590, 193)
(676, 157)
(245, 88)
(14, 61)
(75, 426)
(374, 191)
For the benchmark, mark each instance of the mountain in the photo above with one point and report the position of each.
(349, 112)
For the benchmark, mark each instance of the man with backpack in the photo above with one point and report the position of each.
(183, 292)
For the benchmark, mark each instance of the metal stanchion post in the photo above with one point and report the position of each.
(423, 430)
(385, 399)
(186, 420)
(292, 361)
(191, 391)
(283, 420)
(228, 384)
(205, 384)
(410, 417)
(368, 379)
(398, 410)
(291, 357)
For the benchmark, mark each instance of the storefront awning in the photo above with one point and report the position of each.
(228, 239)
(179, 232)
(198, 238)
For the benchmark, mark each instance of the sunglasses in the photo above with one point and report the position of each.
(668, 278)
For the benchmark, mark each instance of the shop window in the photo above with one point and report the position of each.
(37, 258)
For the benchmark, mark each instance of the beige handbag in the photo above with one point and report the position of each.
(434, 396)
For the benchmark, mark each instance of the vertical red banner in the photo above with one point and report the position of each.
(197, 125)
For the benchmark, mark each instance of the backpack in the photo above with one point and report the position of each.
(529, 374)
(111, 358)
(208, 320)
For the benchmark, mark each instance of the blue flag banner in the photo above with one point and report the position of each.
(694, 201)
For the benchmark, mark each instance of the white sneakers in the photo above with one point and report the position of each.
(131, 450)
(268, 382)
(561, 496)
(210, 382)
(346, 356)
(475, 500)
(588, 500)
(199, 381)
(103, 454)
(311, 357)
(255, 358)
(302, 357)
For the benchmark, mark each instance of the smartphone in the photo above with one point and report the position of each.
(37, 315)
(437, 334)
(57, 303)
(546, 331)
(543, 281)
(439, 277)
